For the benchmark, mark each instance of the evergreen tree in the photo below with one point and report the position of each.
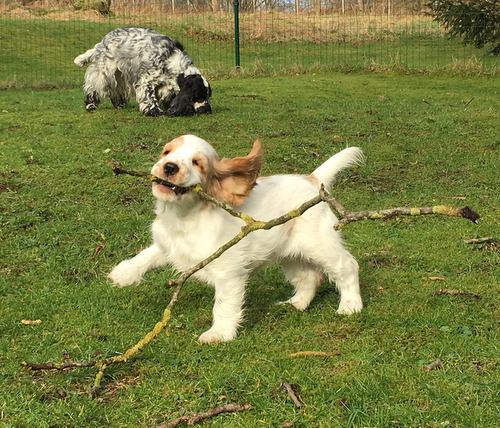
(476, 21)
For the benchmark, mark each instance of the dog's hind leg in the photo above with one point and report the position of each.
(92, 100)
(96, 86)
(328, 255)
(119, 95)
(145, 90)
(342, 267)
(305, 278)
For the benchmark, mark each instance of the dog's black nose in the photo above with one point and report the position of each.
(170, 168)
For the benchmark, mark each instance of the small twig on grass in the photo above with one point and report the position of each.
(66, 365)
(313, 354)
(434, 365)
(198, 417)
(485, 240)
(293, 394)
(451, 292)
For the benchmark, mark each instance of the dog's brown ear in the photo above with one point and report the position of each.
(233, 179)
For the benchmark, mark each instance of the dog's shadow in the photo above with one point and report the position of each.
(267, 288)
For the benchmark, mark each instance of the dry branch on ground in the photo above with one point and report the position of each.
(194, 418)
(292, 391)
(452, 292)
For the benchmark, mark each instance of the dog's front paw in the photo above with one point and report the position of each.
(350, 305)
(124, 274)
(215, 336)
(299, 302)
(154, 111)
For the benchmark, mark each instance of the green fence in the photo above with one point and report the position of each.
(39, 39)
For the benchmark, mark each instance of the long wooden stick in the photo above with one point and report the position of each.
(251, 225)
(345, 216)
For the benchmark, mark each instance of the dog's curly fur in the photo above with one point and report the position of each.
(188, 229)
(153, 67)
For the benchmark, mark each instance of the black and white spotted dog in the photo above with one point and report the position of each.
(149, 65)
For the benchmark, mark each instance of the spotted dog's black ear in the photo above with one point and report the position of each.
(180, 81)
(201, 92)
(195, 84)
(192, 90)
(181, 105)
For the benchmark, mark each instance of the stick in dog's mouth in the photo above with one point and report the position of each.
(178, 190)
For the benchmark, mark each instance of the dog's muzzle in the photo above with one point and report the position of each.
(178, 190)
(203, 107)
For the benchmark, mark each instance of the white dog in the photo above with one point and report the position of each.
(187, 229)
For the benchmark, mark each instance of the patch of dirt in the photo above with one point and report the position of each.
(113, 388)
(381, 259)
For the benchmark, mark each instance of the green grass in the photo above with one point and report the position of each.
(66, 220)
(40, 52)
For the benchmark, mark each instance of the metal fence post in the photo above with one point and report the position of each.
(236, 5)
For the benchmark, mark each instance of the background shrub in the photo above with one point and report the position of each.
(476, 21)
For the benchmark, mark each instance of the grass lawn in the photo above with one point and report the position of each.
(66, 220)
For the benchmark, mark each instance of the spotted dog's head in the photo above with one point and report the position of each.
(188, 160)
(193, 98)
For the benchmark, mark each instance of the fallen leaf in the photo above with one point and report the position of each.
(98, 249)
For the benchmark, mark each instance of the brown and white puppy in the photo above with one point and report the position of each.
(187, 229)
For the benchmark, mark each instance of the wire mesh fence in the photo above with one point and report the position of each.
(39, 39)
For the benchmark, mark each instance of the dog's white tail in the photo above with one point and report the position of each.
(84, 58)
(326, 172)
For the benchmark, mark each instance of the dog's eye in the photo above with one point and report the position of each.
(196, 162)
(166, 152)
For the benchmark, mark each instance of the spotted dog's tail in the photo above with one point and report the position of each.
(326, 172)
(84, 58)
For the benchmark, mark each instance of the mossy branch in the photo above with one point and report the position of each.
(251, 225)
(386, 214)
